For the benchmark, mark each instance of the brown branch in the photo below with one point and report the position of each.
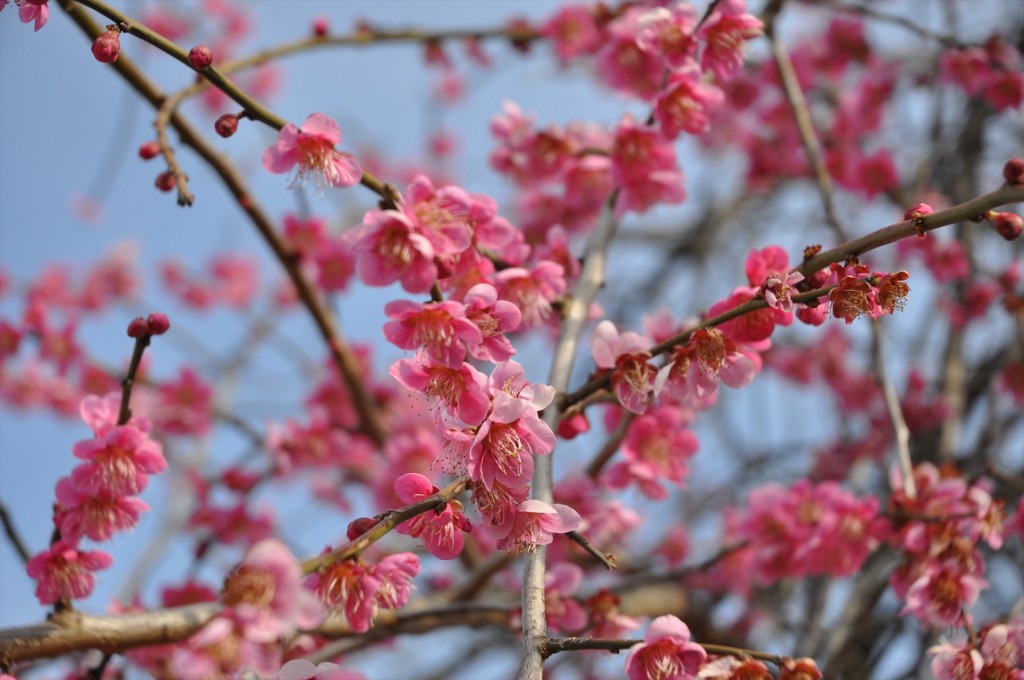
(892, 405)
(802, 118)
(610, 446)
(343, 356)
(388, 521)
(608, 560)
(71, 631)
(556, 645)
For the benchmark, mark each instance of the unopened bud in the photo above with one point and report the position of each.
(359, 526)
(158, 323)
(149, 150)
(1013, 171)
(1009, 225)
(165, 181)
(138, 328)
(917, 211)
(320, 27)
(226, 125)
(106, 47)
(200, 57)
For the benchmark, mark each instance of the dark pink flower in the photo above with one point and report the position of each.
(726, 32)
(532, 290)
(64, 571)
(440, 328)
(535, 523)
(573, 32)
(441, 531)
(34, 10)
(668, 32)
(390, 249)
(644, 167)
(118, 462)
(666, 652)
(462, 391)
(562, 612)
(97, 517)
(627, 357)
(685, 103)
(311, 150)
(494, 318)
(942, 593)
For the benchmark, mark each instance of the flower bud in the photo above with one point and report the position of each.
(917, 211)
(200, 57)
(359, 526)
(1013, 171)
(226, 125)
(320, 27)
(158, 323)
(1008, 224)
(138, 328)
(165, 181)
(149, 150)
(106, 47)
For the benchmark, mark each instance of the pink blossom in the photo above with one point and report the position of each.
(497, 504)
(604, 616)
(185, 405)
(460, 391)
(441, 215)
(64, 571)
(656, 448)
(666, 652)
(942, 592)
(389, 249)
(875, 174)
(532, 290)
(562, 612)
(34, 10)
(311, 150)
(440, 328)
(694, 370)
(751, 327)
(625, 65)
(644, 167)
(685, 103)
(494, 318)
(358, 590)
(535, 523)
(627, 356)
(573, 32)
(777, 290)
(441, 531)
(80, 514)
(305, 236)
(264, 594)
(118, 463)
(726, 31)
(668, 32)
(506, 442)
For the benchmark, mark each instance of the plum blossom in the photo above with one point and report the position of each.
(97, 517)
(668, 32)
(535, 523)
(264, 594)
(694, 370)
(37, 11)
(359, 590)
(644, 167)
(633, 378)
(532, 290)
(563, 613)
(494, 318)
(117, 463)
(666, 652)
(64, 571)
(460, 391)
(726, 31)
(311, 150)
(656, 448)
(441, 531)
(685, 103)
(940, 595)
(573, 31)
(440, 328)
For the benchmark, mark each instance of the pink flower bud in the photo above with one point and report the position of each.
(226, 125)
(106, 47)
(138, 328)
(359, 526)
(917, 211)
(1013, 171)
(1008, 224)
(200, 57)
(158, 323)
(149, 150)
(320, 27)
(165, 181)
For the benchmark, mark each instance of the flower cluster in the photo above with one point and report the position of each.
(997, 653)
(358, 590)
(939, 531)
(97, 500)
(809, 529)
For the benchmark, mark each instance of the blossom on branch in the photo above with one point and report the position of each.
(666, 652)
(309, 152)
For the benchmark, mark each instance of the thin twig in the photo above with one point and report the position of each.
(892, 405)
(12, 534)
(610, 446)
(802, 118)
(608, 560)
(556, 645)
